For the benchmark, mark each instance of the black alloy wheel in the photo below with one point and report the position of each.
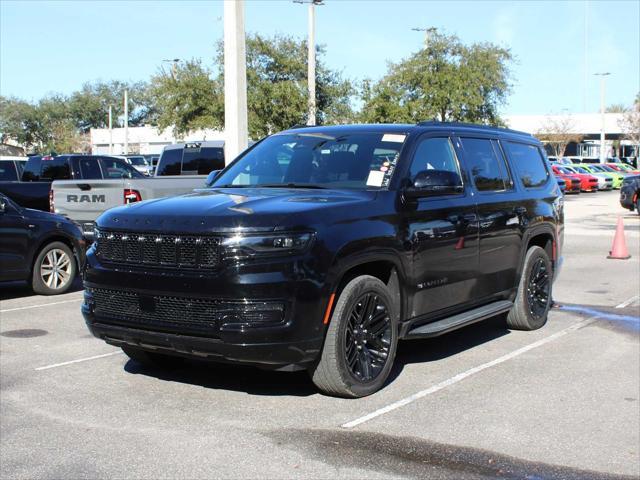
(368, 337)
(538, 289)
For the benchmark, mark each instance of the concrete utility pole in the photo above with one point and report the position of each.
(110, 131)
(126, 122)
(427, 34)
(603, 153)
(311, 58)
(174, 66)
(235, 80)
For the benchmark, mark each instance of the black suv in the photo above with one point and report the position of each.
(319, 248)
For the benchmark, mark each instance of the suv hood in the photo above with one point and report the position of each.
(238, 209)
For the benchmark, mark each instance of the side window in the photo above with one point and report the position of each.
(57, 168)
(31, 171)
(201, 161)
(528, 163)
(435, 154)
(89, 168)
(170, 162)
(486, 165)
(116, 168)
(8, 171)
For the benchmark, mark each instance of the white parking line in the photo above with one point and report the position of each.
(628, 302)
(461, 376)
(79, 360)
(38, 306)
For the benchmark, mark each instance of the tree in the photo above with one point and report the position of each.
(447, 81)
(89, 106)
(630, 125)
(190, 100)
(277, 89)
(558, 132)
(616, 108)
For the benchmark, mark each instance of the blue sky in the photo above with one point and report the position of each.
(48, 46)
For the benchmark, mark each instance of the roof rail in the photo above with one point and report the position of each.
(430, 123)
(299, 125)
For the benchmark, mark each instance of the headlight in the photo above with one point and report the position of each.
(242, 246)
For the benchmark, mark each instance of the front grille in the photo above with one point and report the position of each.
(161, 250)
(182, 314)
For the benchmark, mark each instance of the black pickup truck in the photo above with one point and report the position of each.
(32, 190)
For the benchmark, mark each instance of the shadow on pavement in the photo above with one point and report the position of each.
(11, 290)
(255, 381)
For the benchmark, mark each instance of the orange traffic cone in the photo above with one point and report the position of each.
(619, 249)
(460, 243)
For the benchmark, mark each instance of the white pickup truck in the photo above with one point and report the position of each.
(106, 184)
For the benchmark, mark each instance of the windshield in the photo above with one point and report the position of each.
(138, 161)
(608, 168)
(581, 170)
(316, 160)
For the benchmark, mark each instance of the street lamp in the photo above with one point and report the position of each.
(174, 66)
(603, 76)
(311, 58)
(427, 34)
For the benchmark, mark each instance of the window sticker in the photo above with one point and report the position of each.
(375, 179)
(393, 137)
(388, 167)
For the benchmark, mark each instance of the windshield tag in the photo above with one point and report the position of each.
(375, 178)
(393, 137)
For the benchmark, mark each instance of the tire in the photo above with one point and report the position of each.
(638, 203)
(334, 374)
(529, 312)
(151, 359)
(53, 270)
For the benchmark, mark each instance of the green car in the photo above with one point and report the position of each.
(597, 168)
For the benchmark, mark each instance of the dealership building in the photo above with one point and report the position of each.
(586, 126)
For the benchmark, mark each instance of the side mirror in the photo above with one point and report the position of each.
(211, 178)
(429, 183)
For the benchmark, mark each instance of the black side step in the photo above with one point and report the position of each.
(449, 324)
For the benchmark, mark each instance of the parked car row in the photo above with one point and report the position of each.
(589, 177)
(81, 187)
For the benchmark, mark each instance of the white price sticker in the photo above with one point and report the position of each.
(393, 137)
(376, 177)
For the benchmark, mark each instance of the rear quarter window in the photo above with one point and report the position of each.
(528, 163)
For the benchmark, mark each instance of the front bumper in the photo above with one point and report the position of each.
(227, 315)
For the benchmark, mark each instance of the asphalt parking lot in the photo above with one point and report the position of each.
(482, 402)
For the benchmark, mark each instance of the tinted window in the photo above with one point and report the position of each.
(201, 161)
(56, 168)
(32, 169)
(528, 163)
(435, 154)
(170, 162)
(347, 160)
(89, 168)
(486, 165)
(116, 168)
(8, 171)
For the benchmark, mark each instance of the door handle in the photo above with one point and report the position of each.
(84, 186)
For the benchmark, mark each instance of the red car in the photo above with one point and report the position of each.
(572, 182)
(588, 183)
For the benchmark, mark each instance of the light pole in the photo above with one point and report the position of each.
(427, 34)
(126, 122)
(236, 129)
(602, 75)
(174, 66)
(311, 58)
(110, 131)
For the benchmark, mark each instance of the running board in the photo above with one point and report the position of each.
(460, 320)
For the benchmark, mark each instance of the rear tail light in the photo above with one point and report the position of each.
(52, 207)
(131, 196)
